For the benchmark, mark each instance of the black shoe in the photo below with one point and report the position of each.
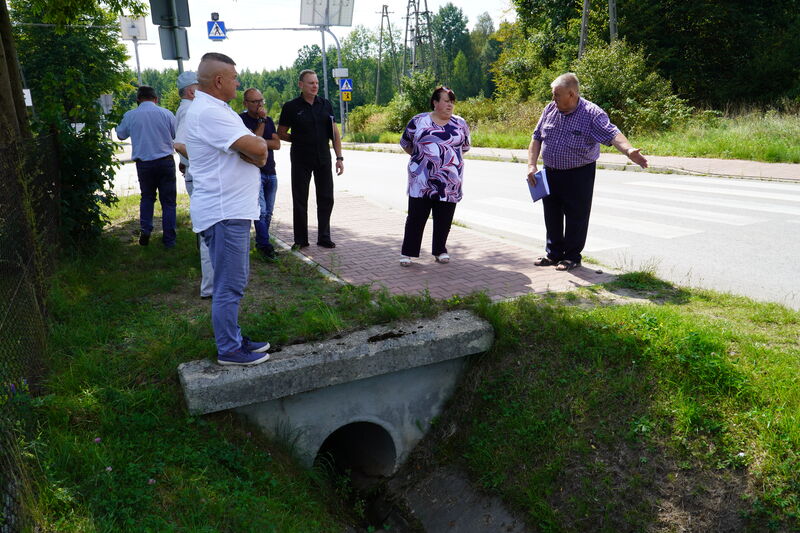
(326, 244)
(144, 239)
(208, 297)
(297, 246)
(268, 254)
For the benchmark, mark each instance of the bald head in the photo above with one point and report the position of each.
(216, 75)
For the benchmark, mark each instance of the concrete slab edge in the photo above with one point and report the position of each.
(209, 387)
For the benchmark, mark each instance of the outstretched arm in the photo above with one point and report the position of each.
(622, 144)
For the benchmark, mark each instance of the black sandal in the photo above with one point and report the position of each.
(544, 262)
(566, 265)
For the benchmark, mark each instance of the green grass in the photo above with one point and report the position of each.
(589, 417)
(110, 444)
(583, 416)
(758, 137)
(386, 137)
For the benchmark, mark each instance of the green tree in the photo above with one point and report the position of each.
(450, 36)
(68, 69)
(460, 80)
(739, 51)
(617, 78)
(487, 48)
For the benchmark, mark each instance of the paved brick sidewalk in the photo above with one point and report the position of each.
(368, 239)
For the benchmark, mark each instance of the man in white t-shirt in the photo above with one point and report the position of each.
(225, 160)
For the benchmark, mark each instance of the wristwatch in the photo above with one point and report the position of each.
(261, 120)
(340, 158)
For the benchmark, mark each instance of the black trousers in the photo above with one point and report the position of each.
(570, 200)
(418, 211)
(302, 168)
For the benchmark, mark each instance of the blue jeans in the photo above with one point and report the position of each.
(266, 200)
(157, 178)
(229, 246)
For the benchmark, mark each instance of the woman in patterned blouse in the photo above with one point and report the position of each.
(436, 142)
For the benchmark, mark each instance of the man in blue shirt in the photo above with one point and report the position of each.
(152, 129)
(257, 121)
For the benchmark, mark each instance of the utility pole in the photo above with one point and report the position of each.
(584, 24)
(418, 35)
(385, 16)
(612, 19)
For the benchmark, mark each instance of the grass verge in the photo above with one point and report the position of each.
(679, 415)
(769, 137)
(109, 441)
(683, 414)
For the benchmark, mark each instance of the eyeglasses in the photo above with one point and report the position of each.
(255, 101)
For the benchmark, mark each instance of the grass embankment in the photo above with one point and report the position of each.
(753, 136)
(112, 446)
(683, 415)
(679, 415)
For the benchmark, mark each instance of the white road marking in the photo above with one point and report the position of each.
(720, 190)
(525, 229)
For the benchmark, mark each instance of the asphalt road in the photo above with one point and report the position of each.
(731, 235)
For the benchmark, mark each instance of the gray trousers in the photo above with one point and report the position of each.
(207, 270)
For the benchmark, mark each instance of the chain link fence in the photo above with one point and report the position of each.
(29, 222)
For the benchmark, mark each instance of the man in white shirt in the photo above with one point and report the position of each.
(225, 160)
(187, 85)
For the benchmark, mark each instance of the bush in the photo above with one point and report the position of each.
(87, 174)
(399, 112)
(486, 117)
(616, 78)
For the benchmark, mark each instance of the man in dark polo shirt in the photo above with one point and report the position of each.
(568, 136)
(310, 119)
(257, 121)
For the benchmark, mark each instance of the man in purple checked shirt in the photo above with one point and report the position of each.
(568, 136)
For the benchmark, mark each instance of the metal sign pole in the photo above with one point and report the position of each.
(138, 67)
(324, 62)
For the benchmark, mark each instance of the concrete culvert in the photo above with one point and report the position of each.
(363, 451)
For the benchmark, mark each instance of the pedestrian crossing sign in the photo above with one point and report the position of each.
(346, 84)
(216, 30)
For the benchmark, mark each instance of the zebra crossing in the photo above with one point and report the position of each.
(663, 207)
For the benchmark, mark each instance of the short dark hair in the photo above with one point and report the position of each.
(437, 94)
(216, 56)
(304, 73)
(145, 92)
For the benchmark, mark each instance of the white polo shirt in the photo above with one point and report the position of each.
(225, 187)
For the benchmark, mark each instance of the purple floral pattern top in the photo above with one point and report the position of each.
(436, 167)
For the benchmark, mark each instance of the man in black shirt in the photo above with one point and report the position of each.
(257, 121)
(310, 119)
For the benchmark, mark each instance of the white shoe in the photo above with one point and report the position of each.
(405, 261)
(442, 258)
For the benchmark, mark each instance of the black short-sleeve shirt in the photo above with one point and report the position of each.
(269, 128)
(311, 126)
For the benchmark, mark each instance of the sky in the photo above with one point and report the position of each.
(257, 50)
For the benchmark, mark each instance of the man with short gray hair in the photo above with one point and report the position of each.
(568, 136)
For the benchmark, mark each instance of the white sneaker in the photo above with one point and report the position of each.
(443, 258)
(405, 261)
